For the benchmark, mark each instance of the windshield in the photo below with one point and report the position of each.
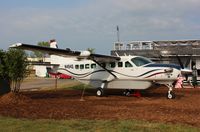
(140, 61)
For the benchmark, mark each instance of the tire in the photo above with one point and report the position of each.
(99, 92)
(127, 92)
(170, 95)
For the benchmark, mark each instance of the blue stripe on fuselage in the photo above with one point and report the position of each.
(164, 65)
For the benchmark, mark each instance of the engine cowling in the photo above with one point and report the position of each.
(85, 53)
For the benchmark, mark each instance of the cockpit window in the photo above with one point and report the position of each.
(128, 64)
(140, 61)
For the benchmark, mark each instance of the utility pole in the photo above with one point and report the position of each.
(118, 40)
(56, 82)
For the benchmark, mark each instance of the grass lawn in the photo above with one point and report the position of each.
(24, 125)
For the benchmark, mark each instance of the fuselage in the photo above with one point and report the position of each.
(131, 72)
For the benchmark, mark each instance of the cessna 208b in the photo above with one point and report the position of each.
(111, 72)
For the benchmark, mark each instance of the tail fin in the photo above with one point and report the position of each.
(54, 58)
(53, 43)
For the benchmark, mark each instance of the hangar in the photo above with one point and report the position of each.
(182, 52)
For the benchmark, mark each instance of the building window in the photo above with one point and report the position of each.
(119, 46)
(198, 72)
(146, 46)
(128, 47)
(136, 46)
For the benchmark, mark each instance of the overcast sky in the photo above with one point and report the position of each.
(82, 24)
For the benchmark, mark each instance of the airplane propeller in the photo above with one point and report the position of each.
(184, 69)
(181, 63)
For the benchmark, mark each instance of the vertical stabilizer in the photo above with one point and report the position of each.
(57, 59)
(54, 58)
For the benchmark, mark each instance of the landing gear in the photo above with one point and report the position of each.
(127, 92)
(170, 93)
(131, 92)
(100, 92)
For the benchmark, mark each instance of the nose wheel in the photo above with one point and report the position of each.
(170, 93)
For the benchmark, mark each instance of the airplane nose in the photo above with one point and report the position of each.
(186, 71)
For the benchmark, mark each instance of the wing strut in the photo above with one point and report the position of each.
(105, 68)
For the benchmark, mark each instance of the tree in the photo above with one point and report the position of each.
(4, 82)
(13, 68)
(3, 68)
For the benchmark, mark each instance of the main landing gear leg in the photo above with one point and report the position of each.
(170, 93)
(100, 90)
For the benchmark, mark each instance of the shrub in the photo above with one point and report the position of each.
(13, 66)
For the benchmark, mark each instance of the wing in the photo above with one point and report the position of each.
(67, 52)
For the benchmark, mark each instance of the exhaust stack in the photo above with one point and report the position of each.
(53, 43)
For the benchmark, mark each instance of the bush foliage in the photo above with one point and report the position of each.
(13, 64)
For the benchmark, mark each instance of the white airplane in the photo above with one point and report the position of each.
(110, 72)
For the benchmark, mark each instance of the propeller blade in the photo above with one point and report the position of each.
(188, 61)
(180, 62)
(186, 71)
(186, 77)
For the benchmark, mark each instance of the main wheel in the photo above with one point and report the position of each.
(127, 92)
(100, 92)
(170, 95)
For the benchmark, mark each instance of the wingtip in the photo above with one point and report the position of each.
(16, 45)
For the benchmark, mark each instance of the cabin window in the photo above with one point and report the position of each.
(103, 65)
(120, 64)
(112, 64)
(140, 61)
(87, 66)
(128, 64)
(93, 66)
(76, 66)
(81, 66)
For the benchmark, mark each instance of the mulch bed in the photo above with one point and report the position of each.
(66, 104)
